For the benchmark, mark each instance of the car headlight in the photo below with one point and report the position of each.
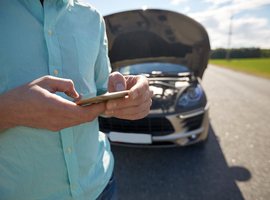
(191, 95)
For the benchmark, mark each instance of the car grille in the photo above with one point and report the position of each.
(155, 126)
(193, 123)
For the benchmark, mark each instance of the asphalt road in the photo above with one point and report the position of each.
(234, 164)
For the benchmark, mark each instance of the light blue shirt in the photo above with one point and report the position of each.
(64, 39)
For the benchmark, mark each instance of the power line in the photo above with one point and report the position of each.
(229, 38)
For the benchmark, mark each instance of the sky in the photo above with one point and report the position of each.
(249, 19)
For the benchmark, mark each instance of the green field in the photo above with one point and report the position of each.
(255, 66)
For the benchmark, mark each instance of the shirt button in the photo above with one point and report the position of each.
(49, 32)
(73, 187)
(68, 149)
(55, 72)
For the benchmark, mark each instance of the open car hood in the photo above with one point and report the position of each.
(140, 36)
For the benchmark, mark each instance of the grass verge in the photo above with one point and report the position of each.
(255, 66)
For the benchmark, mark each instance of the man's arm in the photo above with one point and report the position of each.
(35, 104)
(138, 104)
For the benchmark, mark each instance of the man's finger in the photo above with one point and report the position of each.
(117, 82)
(89, 113)
(128, 112)
(138, 85)
(126, 102)
(55, 84)
(131, 113)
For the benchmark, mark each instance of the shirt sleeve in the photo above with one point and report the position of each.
(102, 65)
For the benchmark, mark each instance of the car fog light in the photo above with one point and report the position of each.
(193, 137)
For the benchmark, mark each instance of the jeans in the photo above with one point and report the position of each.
(110, 191)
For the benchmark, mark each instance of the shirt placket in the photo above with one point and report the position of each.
(52, 42)
(55, 69)
(71, 163)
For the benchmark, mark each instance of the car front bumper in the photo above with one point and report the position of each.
(184, 134)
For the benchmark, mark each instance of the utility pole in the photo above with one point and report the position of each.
(229, 39)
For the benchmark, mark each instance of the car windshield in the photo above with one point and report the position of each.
(153, 68)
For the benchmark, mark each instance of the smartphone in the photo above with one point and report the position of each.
(104, 97)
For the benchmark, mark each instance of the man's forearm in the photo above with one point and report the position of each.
(4, 113)
(36, 105)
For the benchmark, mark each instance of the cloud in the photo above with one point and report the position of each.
(177, 2)
(216, 3)
(251, 32)
(247, 30)
(186, 9)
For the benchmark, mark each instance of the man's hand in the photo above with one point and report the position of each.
(35, 105)
(138, 103)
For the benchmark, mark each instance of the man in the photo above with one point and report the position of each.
(53, 54)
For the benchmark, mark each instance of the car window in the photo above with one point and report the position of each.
(151, 68)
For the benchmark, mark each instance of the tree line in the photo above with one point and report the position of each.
(240, 53)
